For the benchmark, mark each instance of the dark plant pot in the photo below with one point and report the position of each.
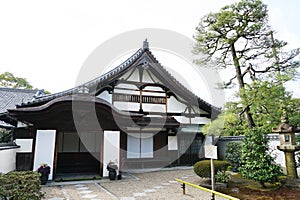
(44, 178)
(112, 174)
(119, 176)
(234, 169)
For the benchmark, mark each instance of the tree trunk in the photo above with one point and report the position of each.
(241, 83)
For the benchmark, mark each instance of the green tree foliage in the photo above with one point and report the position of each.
(21, 185)
(233, 153)
(8, 80)
(266, 100)
(293, 110)
(5, 135)
(227, 123)
(239, 37)
(256, 161)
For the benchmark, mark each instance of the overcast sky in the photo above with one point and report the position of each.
(47, 41)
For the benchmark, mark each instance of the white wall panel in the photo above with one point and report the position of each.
(200, 120)
(44, 149)
(133, 147)
(25, 145)
(105, 96)
(172, 143)
(147, 145)
(111, 149)
(175, 106)
(7, 160)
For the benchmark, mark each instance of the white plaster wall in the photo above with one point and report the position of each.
(154, 107)
(146, 77)
(25, 144)
(175, 106)
(127, 106)
(111, 149)
(8, 160)
(105, 96)
(134, 76)
(200, 120)
(279, 155)
(44, 149)
(182, 119)
(172, 143)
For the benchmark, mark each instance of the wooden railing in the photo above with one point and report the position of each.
(205, 189)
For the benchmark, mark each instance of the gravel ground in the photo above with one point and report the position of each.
(138, 186)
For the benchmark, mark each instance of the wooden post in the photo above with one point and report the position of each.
(183, 188)
(212, 178)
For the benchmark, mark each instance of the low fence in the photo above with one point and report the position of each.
(205, 189)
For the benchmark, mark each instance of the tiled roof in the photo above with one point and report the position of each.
(126, 64)
(10, 97)
(89, 84)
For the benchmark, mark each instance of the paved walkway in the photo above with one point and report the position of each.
(147, 185)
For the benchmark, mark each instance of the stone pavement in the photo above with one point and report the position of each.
(146, 185)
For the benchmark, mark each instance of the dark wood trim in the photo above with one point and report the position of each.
(139, 98)
(22, 133)
(101, 152)
(33, 146)
(55, 154)
(136, 90)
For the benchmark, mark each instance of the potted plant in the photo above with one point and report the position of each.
(44, 170)
(112, 168)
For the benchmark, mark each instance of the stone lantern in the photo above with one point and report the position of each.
(288, 145)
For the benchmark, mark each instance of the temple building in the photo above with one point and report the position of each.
(136, 115)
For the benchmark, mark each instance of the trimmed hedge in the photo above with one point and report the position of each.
(202, 168)
(20, 185)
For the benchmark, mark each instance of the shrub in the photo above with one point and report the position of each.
(222, 177)
(21, 185)
(233, 153)
(256, 161)
(202, 168)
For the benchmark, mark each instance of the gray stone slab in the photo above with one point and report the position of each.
(150, 190)
(89, 196)
(158, 187)
(85, 192)
(82, 188)
(174, 182)
(80, 185)
(127, 198)
(139, 194)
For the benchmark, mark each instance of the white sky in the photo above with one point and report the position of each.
(47, 42)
